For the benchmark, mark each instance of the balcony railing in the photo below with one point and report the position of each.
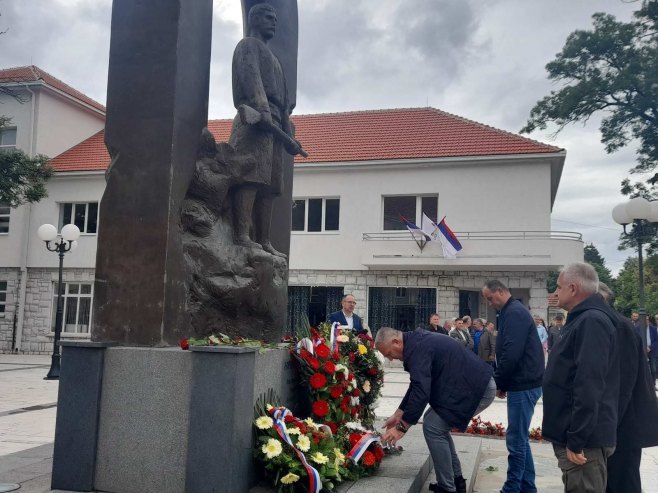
(482, 235)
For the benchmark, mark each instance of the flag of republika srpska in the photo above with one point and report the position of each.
(442, 232)
(415, 231)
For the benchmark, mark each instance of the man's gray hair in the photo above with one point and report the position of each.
(496, 285)
(607, 293)
(583, 275)
(385, 335)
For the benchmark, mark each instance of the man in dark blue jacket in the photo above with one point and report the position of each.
(581, 385)
(346, 316)
(452, 380)
(519, 372)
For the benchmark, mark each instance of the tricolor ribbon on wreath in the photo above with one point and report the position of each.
(333, 339)
(279, 414)
(361, 446)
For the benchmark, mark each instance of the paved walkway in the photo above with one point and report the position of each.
(27, 420)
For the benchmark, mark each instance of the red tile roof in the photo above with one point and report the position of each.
(417, 133)
(32, 73)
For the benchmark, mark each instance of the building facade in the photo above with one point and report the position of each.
(365, 171)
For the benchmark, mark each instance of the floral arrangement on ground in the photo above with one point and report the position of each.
(487, 428)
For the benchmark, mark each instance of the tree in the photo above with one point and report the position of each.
(596, 260)
(612, 69)
(627, 288)
(22, 178)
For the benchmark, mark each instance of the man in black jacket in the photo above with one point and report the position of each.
(581, 385)
(519, 371)
(452, 380)
(638, 407)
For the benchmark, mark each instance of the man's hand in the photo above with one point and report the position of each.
(501, 394)
(392, 436)
(578, 459)
(393, 420)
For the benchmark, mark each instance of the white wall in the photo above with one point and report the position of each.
(475, 196)
(21, 117)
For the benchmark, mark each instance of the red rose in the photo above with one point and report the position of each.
(336, 391)
(302, 427)
(354, 411)
(379, 453)
(322, 351)
(321, 408)
(289, 418)
(184, 344)
(332, 426)
(354, 438)
(352, 357)
(368, 458)
(355, 392)
(373, 371)
(313, 362)
(318, 380)
(336, 355)
(350, 377)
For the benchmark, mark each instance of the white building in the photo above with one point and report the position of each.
(365, 169)
(47, 117)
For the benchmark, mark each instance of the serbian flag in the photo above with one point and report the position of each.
(442, 232)
(415, 231)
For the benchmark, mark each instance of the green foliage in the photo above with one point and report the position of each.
(612, 69)
(627, 286)
(551, 281)
(22, 178)
(596, 260)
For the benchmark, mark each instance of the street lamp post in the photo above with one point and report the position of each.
(64, 242)
(641, 213)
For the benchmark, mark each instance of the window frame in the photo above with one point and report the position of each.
(74, 206)
(7, 215)
(4, 289)
(9, 146)
(323, 215)
(419, 209)
(65, 296)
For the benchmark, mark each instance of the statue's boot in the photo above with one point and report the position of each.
(242, 209)
(263, 224)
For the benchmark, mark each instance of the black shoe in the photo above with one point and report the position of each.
(437, 489)
(460, 484)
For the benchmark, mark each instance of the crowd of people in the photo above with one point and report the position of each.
(592, 369)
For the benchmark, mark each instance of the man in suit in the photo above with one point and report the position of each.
(652, 349)
(346, 316)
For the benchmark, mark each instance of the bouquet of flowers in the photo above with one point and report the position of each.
(297, 455)
(365, 450)
(364, 362)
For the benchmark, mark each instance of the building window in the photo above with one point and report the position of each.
(8, 138)
(402, 308)
(410, 207)
(83, 215)
(5, 211)
(315, 215)
(312, 304)
(3, 296)
(77, 307)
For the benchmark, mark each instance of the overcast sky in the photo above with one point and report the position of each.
(481, 59)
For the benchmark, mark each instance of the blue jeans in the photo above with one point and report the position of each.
(520, 466)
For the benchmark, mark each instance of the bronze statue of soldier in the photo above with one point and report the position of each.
(261, 129)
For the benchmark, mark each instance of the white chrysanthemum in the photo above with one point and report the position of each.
(303, 443)
(319, 458)
(310, 423)
(354, 425)
(289, 478)
(342, 338)
(264, 423)
(343, 368)
(354, 401)
(366, 386)
(293, 431)
(272, 448)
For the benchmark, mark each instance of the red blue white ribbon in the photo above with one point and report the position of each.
(279, 414)
(333, 339)
(361, 446)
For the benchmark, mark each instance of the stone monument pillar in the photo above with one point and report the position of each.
(157, 105)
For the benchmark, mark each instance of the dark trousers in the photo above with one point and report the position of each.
(589, 478)
(624, 472)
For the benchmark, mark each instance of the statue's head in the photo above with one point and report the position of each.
(262, 20)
